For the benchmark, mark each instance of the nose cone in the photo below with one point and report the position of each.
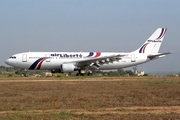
(7, 61)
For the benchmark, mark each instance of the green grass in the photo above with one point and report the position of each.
(163, 82)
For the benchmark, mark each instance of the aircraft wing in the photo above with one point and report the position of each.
(158, 55)
(97, 62)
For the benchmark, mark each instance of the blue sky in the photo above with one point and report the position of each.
(89, 25)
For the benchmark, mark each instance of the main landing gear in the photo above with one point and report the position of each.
(83, 72)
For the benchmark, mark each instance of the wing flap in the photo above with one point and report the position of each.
(97, 62)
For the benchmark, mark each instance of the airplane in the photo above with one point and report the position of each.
(67, 62)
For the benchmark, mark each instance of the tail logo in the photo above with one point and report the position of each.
(158, 39)
(163, 32)
(142, 49)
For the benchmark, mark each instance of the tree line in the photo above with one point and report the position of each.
(11, 71)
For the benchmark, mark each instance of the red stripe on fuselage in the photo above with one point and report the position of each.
(39, 66)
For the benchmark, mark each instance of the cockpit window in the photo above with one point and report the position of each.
(13, 57)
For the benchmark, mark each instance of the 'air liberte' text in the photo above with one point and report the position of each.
(67, 55)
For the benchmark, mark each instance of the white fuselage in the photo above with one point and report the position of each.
(34, 60)
(72, 61)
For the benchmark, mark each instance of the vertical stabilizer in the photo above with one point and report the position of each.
(153, 43)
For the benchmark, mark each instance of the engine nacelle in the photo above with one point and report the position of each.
(69, 67)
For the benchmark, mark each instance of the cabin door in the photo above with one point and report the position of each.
(24, 58)
(133, 58)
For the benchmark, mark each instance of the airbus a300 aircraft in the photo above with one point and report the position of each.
(66, 62)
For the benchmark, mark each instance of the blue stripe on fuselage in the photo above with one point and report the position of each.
(33, 66)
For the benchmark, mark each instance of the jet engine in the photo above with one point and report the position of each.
(67, 67)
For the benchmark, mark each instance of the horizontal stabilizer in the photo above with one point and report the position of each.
(158, 55)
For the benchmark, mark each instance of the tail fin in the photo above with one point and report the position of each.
(153, 43)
